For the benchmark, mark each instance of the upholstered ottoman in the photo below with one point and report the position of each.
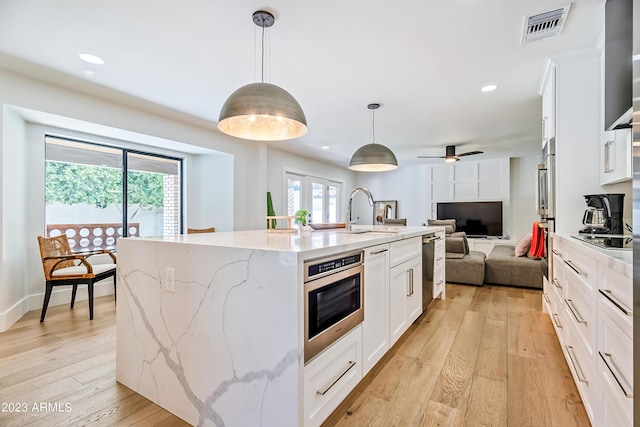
(465, 268)
(503, 267)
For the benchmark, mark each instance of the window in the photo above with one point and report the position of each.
(318, 195)
(87, 198)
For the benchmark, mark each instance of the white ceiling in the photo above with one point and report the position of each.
(424, 61)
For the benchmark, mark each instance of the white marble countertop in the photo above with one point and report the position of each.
(622, 255)
(361, 236)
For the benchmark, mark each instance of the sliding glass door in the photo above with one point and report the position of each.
(87, 198)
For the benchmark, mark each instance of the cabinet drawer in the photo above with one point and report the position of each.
(580, 311)
(580, 266)
(404, 250)
(615, 363)
(610, 413)
(615, 297)
(330, 377)
(558, 283)
(582, 367)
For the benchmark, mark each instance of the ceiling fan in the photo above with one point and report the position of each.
(450, 154)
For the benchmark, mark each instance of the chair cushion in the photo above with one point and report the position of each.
(81, 269)
(456, 244)
(449, 224)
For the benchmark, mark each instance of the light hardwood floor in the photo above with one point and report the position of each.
(485, 356)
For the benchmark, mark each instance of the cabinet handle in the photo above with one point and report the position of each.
(620, 379)
(575, 364)
(379, 252)
(556, 320)
(410, 282)
(607, 156)
(546, 297)
(615, 301)
(575, 268)
(575, 311)
(323, 390)
(558, 253)
(556, 283)
(439, 259)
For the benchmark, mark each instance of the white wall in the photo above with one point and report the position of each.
(210, 197)
(407, 185)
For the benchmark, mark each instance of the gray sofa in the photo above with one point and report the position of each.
(500, 267)
(503, 267)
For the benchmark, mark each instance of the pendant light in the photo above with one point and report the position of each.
(262, 111)
(373, 157)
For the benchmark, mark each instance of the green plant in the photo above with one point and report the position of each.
(270, 211)
(301, 217)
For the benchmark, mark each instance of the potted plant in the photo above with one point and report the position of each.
(301, 217)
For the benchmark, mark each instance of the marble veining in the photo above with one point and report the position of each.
(186, 351)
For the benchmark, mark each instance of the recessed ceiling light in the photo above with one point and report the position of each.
(325, 147)
(91, 58)
(489, 88)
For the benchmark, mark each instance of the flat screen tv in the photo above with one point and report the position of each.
(477, 219)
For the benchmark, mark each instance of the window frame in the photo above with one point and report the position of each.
(306, 192)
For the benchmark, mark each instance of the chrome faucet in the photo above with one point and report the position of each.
(353, 193)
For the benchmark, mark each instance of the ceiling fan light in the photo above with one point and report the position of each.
(262, 112)
(373, 158)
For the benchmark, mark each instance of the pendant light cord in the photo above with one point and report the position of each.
(373, 125)
(262, 58)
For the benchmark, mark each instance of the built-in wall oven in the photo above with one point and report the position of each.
(334, 299)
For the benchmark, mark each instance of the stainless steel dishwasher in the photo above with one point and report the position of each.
(428, 248)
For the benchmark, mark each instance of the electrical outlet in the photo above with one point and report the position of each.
(170, 279)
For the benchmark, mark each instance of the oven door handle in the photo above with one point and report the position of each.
(323, 390)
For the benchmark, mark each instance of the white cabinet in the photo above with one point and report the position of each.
(405, 296)
(375, 328)
(594, 325)
(549, 105)
(615, 156)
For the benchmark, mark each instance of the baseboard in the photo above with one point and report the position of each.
(59, 296)
(14, 313)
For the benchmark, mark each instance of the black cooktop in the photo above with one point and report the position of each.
(607, 242)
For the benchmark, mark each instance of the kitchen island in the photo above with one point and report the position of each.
(211, 326)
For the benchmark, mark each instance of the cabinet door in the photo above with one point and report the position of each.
(375, 328)
(615, 156)
(439, 288)
(549, 107)
(414, 300)
(399, 291)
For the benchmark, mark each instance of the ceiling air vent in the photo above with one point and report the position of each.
(543, 25)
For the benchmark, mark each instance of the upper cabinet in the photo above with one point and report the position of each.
(615, 156)
(549, 105)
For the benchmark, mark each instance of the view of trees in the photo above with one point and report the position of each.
(99, 186)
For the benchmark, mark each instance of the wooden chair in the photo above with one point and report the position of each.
(200, 230)
(65, 267)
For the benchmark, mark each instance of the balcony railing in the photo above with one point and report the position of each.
(92, 236)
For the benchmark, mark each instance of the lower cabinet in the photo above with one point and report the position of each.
(331, 376)
(405, 297)
(439, 281)
(589, 301)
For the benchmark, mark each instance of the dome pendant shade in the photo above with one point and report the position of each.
(373, 158)
(262, 112)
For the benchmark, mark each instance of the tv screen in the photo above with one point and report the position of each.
(618, 66)
(479, 219)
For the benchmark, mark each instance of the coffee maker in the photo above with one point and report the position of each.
(604, 214)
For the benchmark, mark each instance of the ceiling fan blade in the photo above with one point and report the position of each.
(469, 153)
(431, 157)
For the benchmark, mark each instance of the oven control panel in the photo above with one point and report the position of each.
(317, 268)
